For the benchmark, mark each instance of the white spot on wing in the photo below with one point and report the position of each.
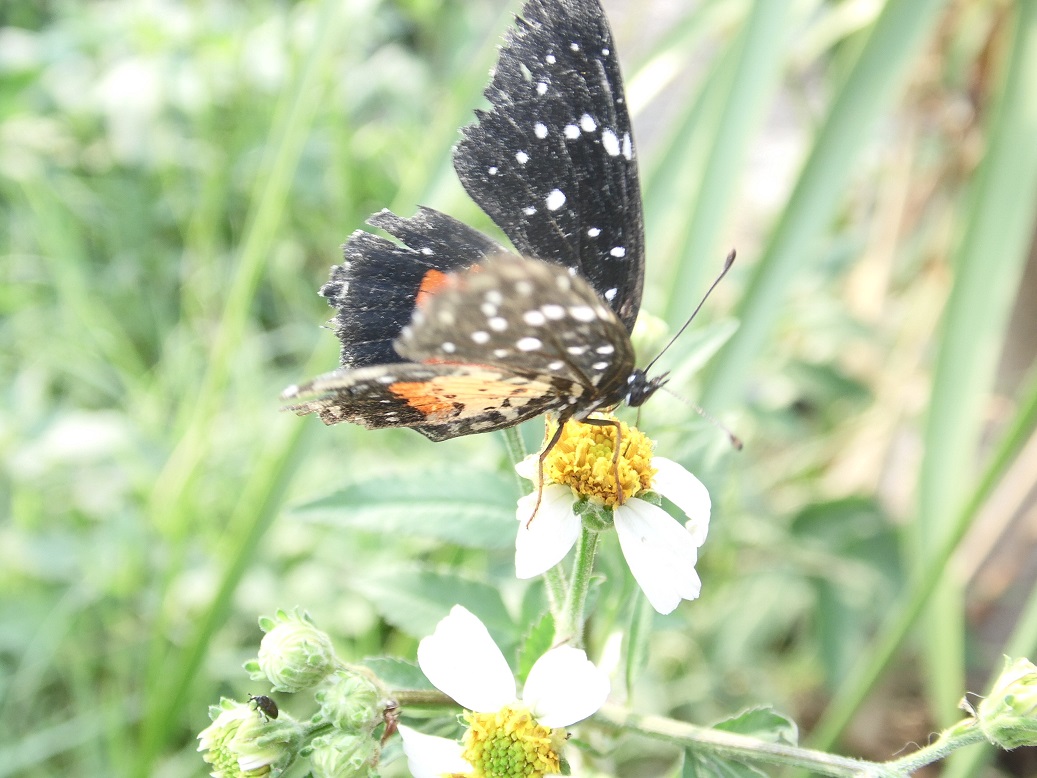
(528, 344)
(593, 232)
(427, 251)
(522, 157)
(610, 294)
(618, 251)
(534, 318)
(574, 46)
(610, 143)
(498, 323)
(529, 210)
(555, 200)
(582, 313)
(571, 131)
(605, 350)
(492, 171)
(587, 123)
(550, 59)
(540, 130)
(481, 337)
(628, 146)
(599, 365)
(449, 347)
(542, 88)
(553, 312)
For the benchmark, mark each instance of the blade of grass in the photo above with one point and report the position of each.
(988, 264)
(747, 92)
(870, 86)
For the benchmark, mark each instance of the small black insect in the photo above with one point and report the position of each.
(264, 705)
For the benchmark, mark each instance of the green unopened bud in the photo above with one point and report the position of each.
(1008, 716)
(242, 744)
(294, 655)
(353, 701)
(342, 755)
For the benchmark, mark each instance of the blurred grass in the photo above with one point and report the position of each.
(174, 182)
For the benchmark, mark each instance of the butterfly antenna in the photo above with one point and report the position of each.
(736, 442)
(727, 266)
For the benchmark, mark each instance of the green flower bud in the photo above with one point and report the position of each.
(294, 655)
(342, 755)
(353, 701)
(242, 744)
(1008, 716)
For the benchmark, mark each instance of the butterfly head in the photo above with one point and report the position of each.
(640, 387)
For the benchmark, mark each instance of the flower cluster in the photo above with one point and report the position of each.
(254, 738)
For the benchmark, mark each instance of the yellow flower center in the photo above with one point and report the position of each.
(583, 460)
(511, 744)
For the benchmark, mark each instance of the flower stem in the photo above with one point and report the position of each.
(742, 748)
(964, 733)
(569, 628)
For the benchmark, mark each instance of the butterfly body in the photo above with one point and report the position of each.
(448, 332)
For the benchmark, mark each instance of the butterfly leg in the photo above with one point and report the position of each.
(562, 420)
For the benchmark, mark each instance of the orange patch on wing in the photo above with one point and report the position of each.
(431, 283)
(434, 282)
(421, 396)
(447, 397)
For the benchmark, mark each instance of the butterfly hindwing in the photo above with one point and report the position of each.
(552, 162)
(374, 290)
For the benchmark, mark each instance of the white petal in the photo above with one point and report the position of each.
(461, 660)
(687, 492)
(543, 542)
(564, 687)
(432, 757)
(528, 467)
(660, 552)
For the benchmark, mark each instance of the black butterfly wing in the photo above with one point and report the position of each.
(552, 162)
(375, 289)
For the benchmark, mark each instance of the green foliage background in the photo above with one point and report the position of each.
(174, 181)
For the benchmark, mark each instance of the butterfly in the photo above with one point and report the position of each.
(448, 332)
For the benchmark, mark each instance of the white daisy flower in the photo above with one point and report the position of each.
(660, 552)
(506, 735)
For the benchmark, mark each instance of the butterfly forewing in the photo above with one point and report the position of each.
(552, 162)
(531, 317)
(440, 401)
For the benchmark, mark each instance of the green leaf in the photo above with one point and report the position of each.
(537, 642)
(414, 601)
(764, 723)
(470, 508)
(708, 766)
